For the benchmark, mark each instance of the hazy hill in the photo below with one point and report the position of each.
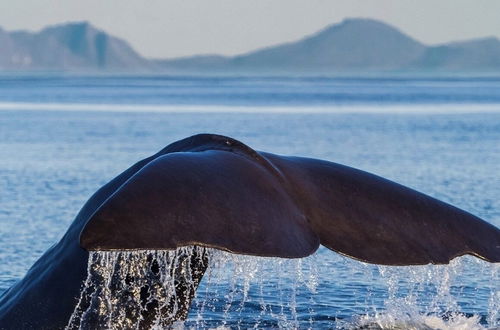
(352, 46)
(73, 46)
(355, 44)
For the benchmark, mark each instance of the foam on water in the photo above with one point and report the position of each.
(138, 289)
(436, 287)
(418, 322)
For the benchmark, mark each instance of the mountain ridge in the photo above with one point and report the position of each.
(355, 45)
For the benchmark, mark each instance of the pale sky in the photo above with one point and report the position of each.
(171, 28)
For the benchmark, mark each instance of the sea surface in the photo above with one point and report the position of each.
(62, 137)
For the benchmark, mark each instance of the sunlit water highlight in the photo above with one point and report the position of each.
(125, 288)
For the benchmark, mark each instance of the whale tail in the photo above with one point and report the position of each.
(214, 191)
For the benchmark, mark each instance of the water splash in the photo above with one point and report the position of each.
(237, 286)
(139, 289)
(152, 289)
(417, 322)
(432, 296)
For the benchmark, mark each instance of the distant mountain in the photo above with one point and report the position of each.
(73, 46)
(355, 44)
(352, 46)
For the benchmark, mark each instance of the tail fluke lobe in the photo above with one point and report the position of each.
(211, 198)
(375, 220)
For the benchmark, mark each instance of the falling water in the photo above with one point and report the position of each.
(152, 289)
(138, 289)
(236, 286)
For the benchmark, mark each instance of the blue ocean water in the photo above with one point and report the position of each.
(290, 91)
(59, 143)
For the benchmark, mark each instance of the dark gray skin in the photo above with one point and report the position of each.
(214, 191)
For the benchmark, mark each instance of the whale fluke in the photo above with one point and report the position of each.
(214, 191)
